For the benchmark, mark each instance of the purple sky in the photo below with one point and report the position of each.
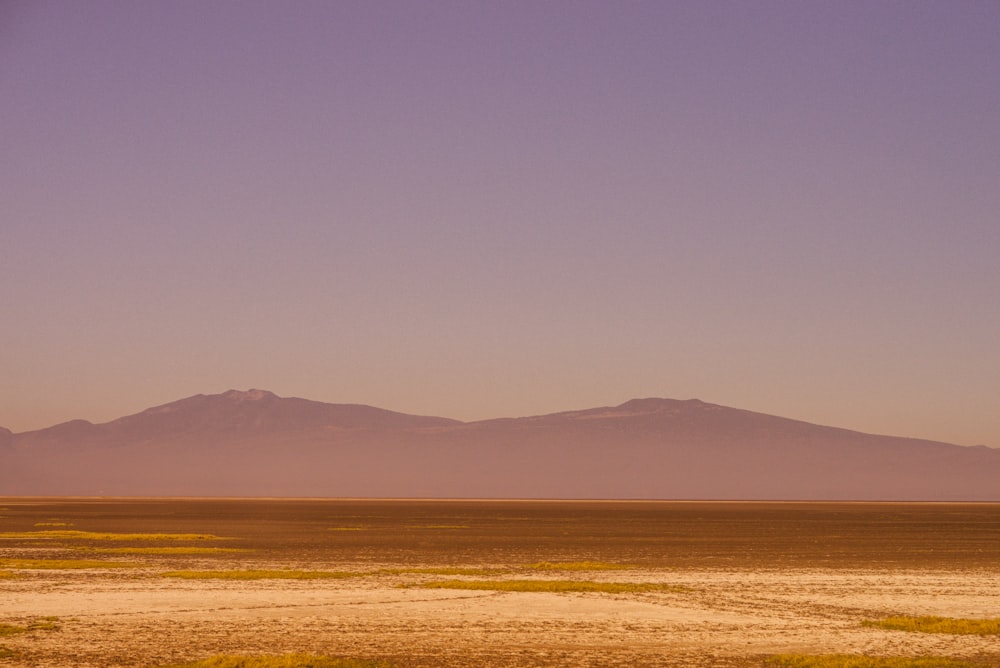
(485, 209)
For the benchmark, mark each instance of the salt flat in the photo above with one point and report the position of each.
(754, 603)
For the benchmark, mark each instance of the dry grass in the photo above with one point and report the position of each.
(62, 564)
(258, 575)
(407, 527)
(42, 624)
(11, 630)
(966, 627)
(577, 566)
(286, 661)
(446, 570)
(854, 661)
(98, 535)
(552, 586)
(169, 550)
(53, 524)
(7, 575)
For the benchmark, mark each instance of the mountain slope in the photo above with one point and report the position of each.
(258, 444)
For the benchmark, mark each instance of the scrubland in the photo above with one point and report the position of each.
(366, 584)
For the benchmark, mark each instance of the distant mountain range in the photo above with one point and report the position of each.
(255, 443)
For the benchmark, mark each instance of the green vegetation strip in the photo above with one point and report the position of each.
(556, 586)
(577, 566)
(62, 564)
(98, 535)
(854, 661)
(965, 627)
(286, 661)
(258, 575)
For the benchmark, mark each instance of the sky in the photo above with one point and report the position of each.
(486, 209)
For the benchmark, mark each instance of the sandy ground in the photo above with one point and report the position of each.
(752, 580)
(720, 618)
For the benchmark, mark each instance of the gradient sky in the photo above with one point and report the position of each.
(493, 209)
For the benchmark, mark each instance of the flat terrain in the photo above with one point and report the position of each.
(121, 582)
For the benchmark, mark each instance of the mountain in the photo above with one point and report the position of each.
(256, 443)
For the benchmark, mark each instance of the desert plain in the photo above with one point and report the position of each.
(458, 583)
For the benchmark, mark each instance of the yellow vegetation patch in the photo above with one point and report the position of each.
(348, 529)
(258, 575)
(854, 661)
(446, 570)
(44, 624)
(97, 535)
(971, 627)
(437, 526)
(62, 564)
(577, 566)
(555, 586)
(41, 624)
(53, 524)
(11, 629)
(286, 661)
(168, 550)
(6, 575)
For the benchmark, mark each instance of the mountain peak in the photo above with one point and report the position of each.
(655, 404)
(249, 395)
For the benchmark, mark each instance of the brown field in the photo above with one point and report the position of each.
(491, 583)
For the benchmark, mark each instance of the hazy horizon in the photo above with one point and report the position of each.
(504, 209)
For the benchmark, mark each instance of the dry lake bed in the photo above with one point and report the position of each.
(157, 582)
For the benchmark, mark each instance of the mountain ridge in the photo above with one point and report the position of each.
(631, 407)
(255, 443)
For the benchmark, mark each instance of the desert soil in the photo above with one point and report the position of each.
(752, 580)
